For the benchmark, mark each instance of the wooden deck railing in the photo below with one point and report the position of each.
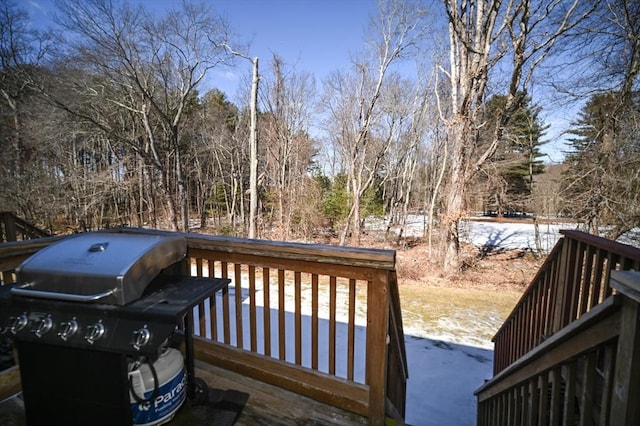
(572, 281)
(272, 322)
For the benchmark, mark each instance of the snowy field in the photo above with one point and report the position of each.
(444, 368)
(506, 235)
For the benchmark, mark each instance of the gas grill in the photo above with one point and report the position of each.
(88, 313)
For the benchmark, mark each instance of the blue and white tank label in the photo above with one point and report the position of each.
(170, 397)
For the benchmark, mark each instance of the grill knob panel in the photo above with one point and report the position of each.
(18, 323)
(68, 329)
(141, 337)
(42, 326)
(94, 332)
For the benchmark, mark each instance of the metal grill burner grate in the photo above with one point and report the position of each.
(87, 307)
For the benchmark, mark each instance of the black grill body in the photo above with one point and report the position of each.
(73, 348)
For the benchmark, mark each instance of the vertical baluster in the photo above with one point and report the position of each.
(314, 321)
(559, 285)
(298, 316)
(556, 396)
(608, 371)
(589, 281)
(604, 290)
(528, 323)
(516, 409)
(351, 329)
(332, 325)
(198, 267)
(237, 269)
(548, 293)
(518, 334)
(534, 401)
(576, 284)
(513, 354)
(601, 265)
(570, 393)
(536, 316)
(202, 321)
(282, 354)
(266, 311)
(543, 402)
(498, 355)
(566, 288)
(586, 395)
(224, 272)
(253, 337)
(503, 409)
(213, 309)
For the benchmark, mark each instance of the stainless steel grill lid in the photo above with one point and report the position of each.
(98, 267)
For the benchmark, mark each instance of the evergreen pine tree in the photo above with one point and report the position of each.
(508, 177)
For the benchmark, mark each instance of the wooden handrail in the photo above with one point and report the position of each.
(564, 381)
(572, 281)
(13, 228)
(586, 373)
(237, 331)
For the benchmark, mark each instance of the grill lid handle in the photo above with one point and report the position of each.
(61, 296)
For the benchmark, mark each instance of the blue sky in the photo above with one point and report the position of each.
(315, 36)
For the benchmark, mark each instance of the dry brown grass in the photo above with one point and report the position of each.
(471, 304)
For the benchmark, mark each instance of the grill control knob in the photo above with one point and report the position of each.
(68, 329)
(141, 337)
(42, 326)
(18, 323)
(94, 332)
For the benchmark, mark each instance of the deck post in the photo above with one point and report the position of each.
(11, 233)
(377, 340)
(626, 387)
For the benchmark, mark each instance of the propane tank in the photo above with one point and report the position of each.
(157, 406)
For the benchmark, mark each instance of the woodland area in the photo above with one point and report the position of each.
(106, 120)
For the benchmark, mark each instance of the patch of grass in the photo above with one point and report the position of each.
(466, 314)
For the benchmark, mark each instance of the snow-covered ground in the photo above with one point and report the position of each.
(516, 234)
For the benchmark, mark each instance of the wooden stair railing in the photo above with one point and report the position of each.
(572, 281)
(572, 339)
(588, 373)
(355, 358)
(13, 228)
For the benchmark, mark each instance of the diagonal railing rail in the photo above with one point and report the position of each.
(13, 228)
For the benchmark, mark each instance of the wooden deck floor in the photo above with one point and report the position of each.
(270, 405)
(267, 405)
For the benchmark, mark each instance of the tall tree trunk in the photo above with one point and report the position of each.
(455, 193)
(435, 193)
(183, 201)
(253, 162)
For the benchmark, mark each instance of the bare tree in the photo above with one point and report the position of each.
(154, 67)
(288, 97)
(406, 103)
(353, 106)
(517, 35)
(23, 51)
